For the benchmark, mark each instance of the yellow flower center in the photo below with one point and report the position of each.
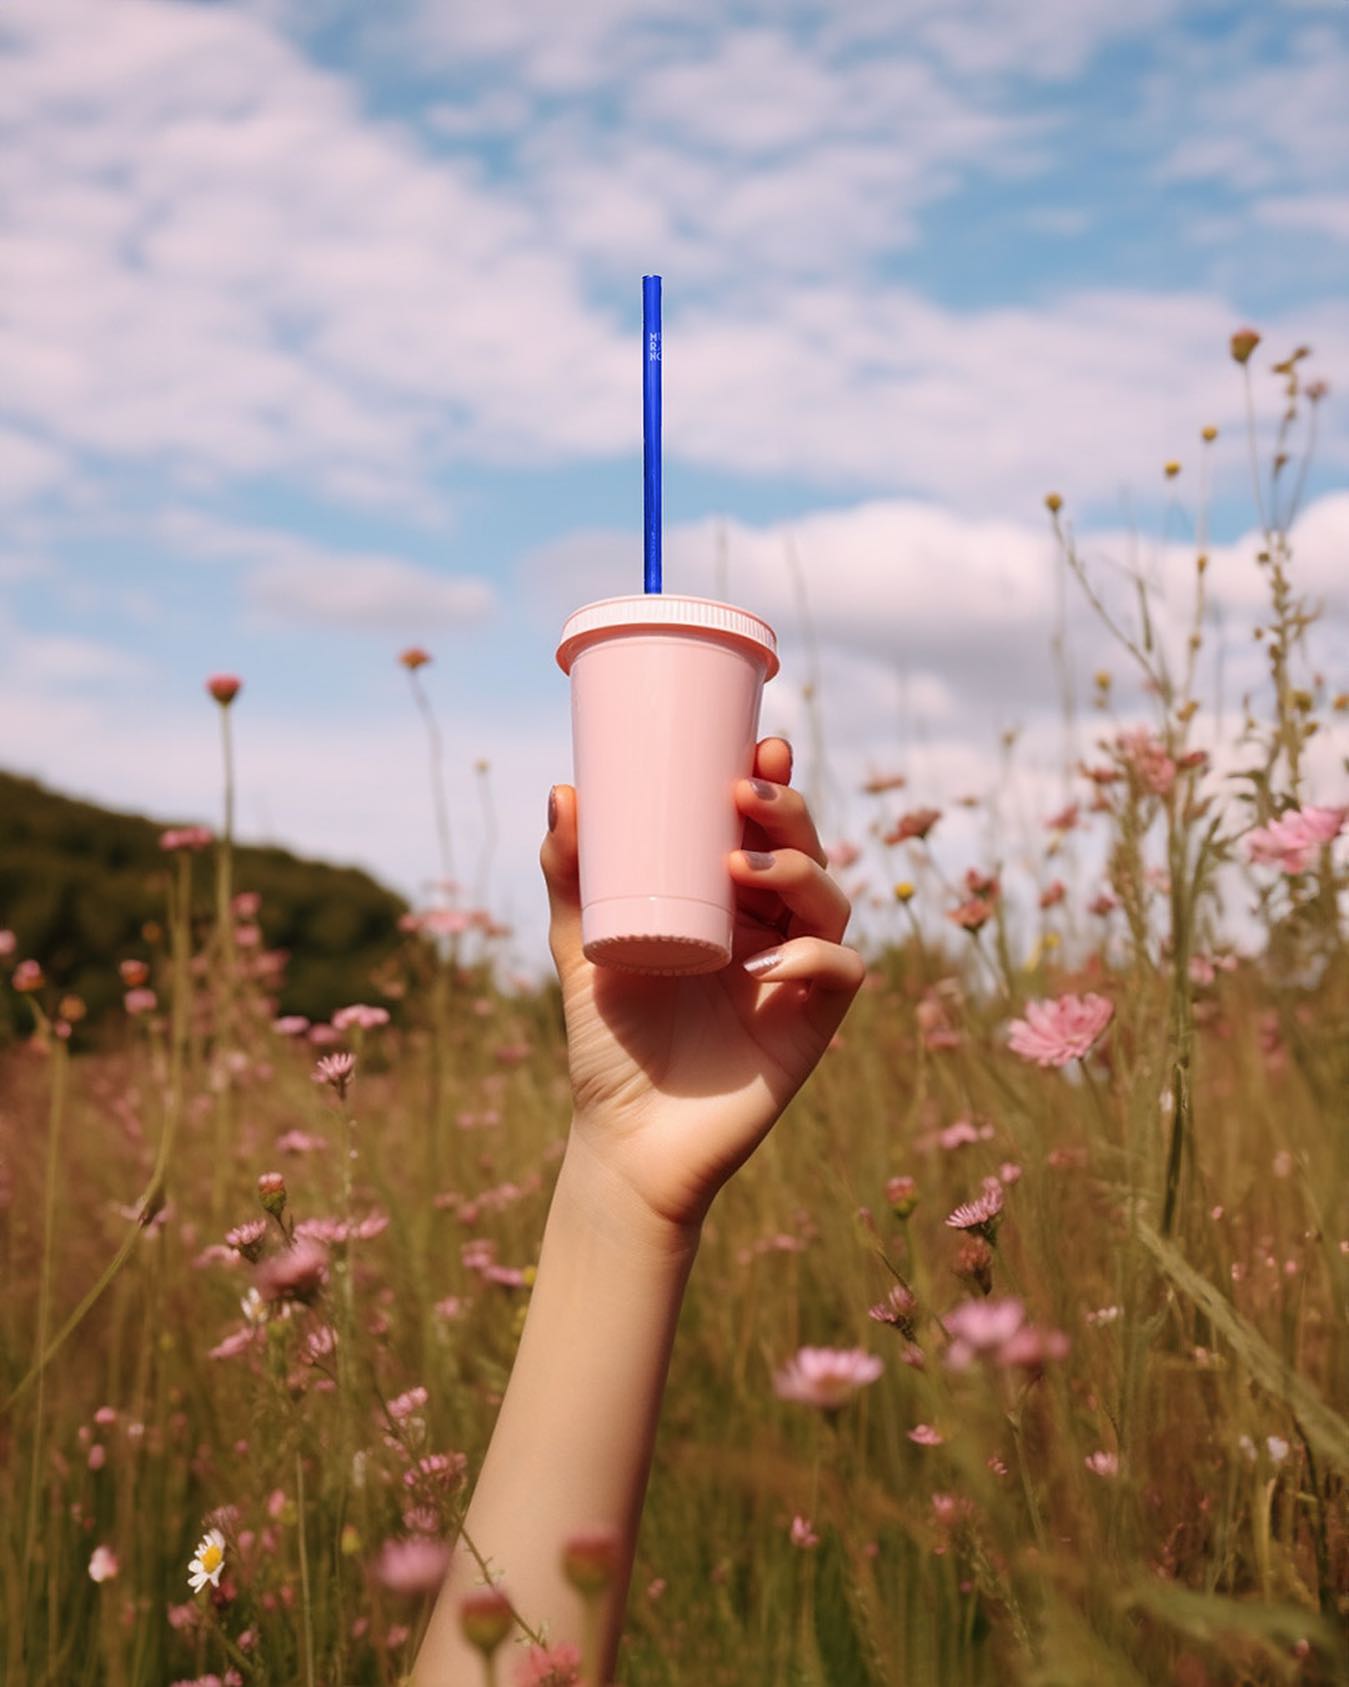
(210, 1557)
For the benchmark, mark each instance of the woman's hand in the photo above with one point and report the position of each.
(677, 1080)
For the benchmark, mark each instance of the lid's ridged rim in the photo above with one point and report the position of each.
(657, 610)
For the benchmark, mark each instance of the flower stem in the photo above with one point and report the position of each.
(55, 1111)
(304, 1573)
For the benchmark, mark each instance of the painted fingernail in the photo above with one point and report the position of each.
(764, 789)
(552, 808)
(758, 860)
(763, 962)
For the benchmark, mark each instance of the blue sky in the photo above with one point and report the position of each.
(319, 336)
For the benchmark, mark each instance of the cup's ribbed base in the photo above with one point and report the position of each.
(657, 934)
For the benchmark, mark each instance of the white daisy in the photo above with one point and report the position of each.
(209, 1562)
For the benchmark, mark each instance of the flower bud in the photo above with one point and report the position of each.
(485, 1618)
(1244, 342)
(224, 688)
(1208, 434)
(590, 1559)
(904, 891)
(1053, 502)
(902, 1194)
(1171, 469)
(272, 1193)
(414, 657)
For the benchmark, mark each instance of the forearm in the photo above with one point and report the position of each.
(572, 1446)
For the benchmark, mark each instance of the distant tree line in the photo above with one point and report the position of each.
(84, 888)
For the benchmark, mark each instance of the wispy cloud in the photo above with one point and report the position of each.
(290, 578)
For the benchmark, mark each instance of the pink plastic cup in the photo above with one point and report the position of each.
(665, 695)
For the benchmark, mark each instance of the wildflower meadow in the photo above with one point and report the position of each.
(1016, 1354)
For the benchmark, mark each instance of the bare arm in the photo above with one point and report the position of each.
(572, 1444)
(675, 1081)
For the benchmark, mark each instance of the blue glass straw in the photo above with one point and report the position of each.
(651, 427)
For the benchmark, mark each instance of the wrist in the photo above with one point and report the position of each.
(597, 1202)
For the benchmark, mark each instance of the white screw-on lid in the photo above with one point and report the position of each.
(655, 610)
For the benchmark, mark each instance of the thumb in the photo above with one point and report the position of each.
(561, 873)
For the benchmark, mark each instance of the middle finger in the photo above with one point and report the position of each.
(781, 815)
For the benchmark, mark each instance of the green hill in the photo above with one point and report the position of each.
(84, 887)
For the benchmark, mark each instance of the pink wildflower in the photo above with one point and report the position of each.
(896, 1309)
(1055, 1032)
(552, 1666)
(957, 1134)
(239, 1341)
(981, 1214)
(407, 1405)
(1146, 758)
(1291, 841)
(27, 976)
(981, 1326)
(1102, 1464)
(803, 1534)
(320, 1343)
(103, 1564)
(917, 823)
(971, 915)
(247, 1238)
(361, 1016)
(1053, 894)
(924, 1435)
(8, 944)
(412, 1566)
(440, 1470)
(826, 1377)
(299, 1142)
(1064, 821)
(441, 922)
(1031, 1346)
(335, 1069)
(186, 837)
(290, 1025)
(299, 1273)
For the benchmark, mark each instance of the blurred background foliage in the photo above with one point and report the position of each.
(84, 888)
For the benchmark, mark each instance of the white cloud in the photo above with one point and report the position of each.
(28, 467)
(289, 577)
(220, 264)
(378, 593)
(1258, 113)
(932, 625)
(1311, 213)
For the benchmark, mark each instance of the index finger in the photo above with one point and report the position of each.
(773, 760)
